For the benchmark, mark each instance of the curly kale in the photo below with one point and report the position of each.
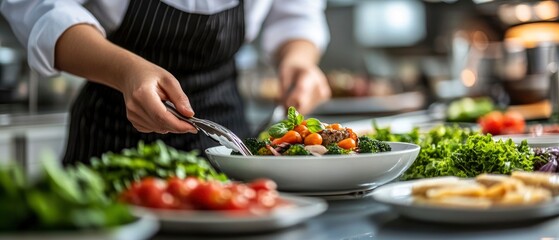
(296, 149)
(334, 149)
(371, 145)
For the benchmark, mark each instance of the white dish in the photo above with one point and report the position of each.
(326, 173)
(398, 196)
(545, 140)
(302, 209)
(143, 228)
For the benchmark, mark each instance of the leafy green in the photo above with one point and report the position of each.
(455, 151)
(254, 144)
(314, 125)
(293, 119)
(367, 144)
(120, 170)
(469, 109)
(57, 200)
(334, 149)
(278, 130)
(296, 149)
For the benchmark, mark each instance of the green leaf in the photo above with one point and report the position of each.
(314, 125)
(278, 130)
(294, 117)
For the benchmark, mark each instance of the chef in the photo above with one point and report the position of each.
(137, 53)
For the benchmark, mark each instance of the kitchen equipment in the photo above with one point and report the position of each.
(213, 130)
(10, 67)
(525, 71)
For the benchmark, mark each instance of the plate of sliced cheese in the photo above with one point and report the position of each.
(488, 198)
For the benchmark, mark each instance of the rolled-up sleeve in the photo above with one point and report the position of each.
(39, 23)
(295, 19)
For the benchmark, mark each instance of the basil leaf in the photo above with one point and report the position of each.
(294, 116)
(314, 125)
(278, 130)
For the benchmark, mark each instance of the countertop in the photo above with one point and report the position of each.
(366, 219)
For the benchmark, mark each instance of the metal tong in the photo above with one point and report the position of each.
(213, 130)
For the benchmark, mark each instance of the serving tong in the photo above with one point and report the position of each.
(219, 133)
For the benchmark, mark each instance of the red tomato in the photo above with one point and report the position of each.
(181, 188)
(492, 123)
(210, 195)
(513, 123)
(237, 202)
(266, 198)
(263, 184)
(149, 192)
(242, 189)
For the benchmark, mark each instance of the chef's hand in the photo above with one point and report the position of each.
(144, 88)
(84, 51)
(298, 61)
(310, 86)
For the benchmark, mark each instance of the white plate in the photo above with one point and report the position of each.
(398, 195)
(546, 140)
(144, 228)
(328, 173)
(225, 222)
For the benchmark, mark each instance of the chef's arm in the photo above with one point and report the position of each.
(83, 51)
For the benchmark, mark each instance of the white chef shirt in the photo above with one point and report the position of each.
(39, 23)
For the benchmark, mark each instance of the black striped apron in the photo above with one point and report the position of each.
(197, 49)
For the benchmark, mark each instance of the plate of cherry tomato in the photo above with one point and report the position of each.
(194, 205)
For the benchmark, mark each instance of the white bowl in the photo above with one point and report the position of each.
(328, 173)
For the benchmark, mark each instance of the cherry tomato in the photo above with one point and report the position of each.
(263, 184)
(492, 123)
(313, 139)
(210, 195)
(266, 198)
(291, 136)
(242, 189)
(513, 123)
(302, 130)
(181, 188)
(150, 191)
(335, 126)
(236, 202)
(352, 134)
(347, 143)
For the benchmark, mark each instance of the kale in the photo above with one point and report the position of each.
(367, 144)
(296, 149)
(449, 150)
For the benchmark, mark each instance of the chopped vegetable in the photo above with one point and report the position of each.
(72, 198)
(297, 149)
(469, 109)
(370, 145)
(292, 135)
(254, 145)
(120, 170)
(333, 148)
(455, 151)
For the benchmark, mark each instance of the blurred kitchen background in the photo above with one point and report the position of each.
(385, 57)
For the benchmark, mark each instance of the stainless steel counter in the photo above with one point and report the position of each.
(365, 219)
